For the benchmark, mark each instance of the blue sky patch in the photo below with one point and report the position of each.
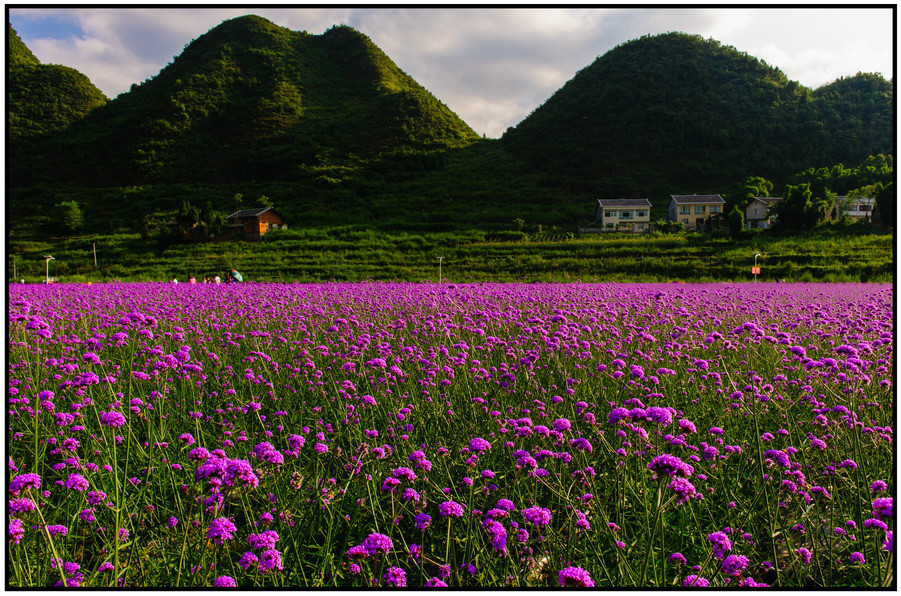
(33, 27)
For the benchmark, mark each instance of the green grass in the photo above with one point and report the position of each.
(353, 253)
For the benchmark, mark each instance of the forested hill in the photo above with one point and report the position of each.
(333, 132)
(678, 112)
(250, 100)
(44, 98)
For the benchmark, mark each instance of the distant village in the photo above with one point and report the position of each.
(703, 213)
(692, 213)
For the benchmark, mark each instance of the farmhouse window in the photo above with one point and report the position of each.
(684, 210)
(699, 209)
(640, 213)
(627, 215)
(714, 208)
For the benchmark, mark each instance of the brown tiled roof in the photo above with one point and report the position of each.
(624, 203)
(769, 201)
(698, 199)
(249, 212)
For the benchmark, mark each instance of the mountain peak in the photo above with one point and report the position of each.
(252, 99)
(43, 98)
(677, 108)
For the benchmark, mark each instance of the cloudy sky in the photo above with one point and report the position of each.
(492, 66)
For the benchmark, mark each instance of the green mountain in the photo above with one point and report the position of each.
(334, 133)
(44, 98)
(678, 113)
(250, 100)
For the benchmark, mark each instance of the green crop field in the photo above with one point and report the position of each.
(353, 253)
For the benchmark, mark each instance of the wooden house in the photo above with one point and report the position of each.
(252, 224)
(758, 213)
(623, 215)
(694, 210)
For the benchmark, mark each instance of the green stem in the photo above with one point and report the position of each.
(56, 556)
(647, 554)
(766, 490)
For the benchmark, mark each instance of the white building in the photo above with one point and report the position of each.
(758, 213)
(856, 207)
(623, 215)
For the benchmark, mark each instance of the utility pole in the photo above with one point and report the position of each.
(94, 246)
(439, 268)
(47, 259)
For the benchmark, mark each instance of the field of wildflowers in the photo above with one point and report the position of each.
(293, 435)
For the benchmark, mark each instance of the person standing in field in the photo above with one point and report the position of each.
(192, 280)
(216, 279)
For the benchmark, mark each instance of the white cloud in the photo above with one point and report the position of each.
(492, 66)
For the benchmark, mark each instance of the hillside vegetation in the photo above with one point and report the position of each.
(253, 101)
(332, 133)
(355, 253)
(44, 98)
(676, 113)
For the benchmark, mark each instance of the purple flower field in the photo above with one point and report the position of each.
(422, 435)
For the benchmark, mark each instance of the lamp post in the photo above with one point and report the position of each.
(47, 259)
(439, 268)
(756, 270)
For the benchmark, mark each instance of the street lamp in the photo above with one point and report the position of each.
(755, 270)
(439, 268)
(47, 259)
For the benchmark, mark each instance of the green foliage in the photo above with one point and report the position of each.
(252, 101)
(886, 203)
(69, 217)
(187, 217)
(328, 128)
(754, 186)
(801, 209)
(736, 220)
(675, 112)
(18, 52)
(355, 253)
(212, 221)
(841, 180)
(43, 98)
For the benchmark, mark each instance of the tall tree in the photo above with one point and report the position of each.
(187, 217)
(885, 203)
(70, 217)
(736, 220)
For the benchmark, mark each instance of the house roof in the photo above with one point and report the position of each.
(768, 201)
(624, 203)
(250, 212)
(697, 199)
(864, 200)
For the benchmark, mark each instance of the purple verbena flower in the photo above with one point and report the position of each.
(221, 529)
(450, 509)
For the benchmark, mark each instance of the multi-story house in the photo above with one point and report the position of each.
(623, 215)
(758, 213)
(694, 210)
(856, 207)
